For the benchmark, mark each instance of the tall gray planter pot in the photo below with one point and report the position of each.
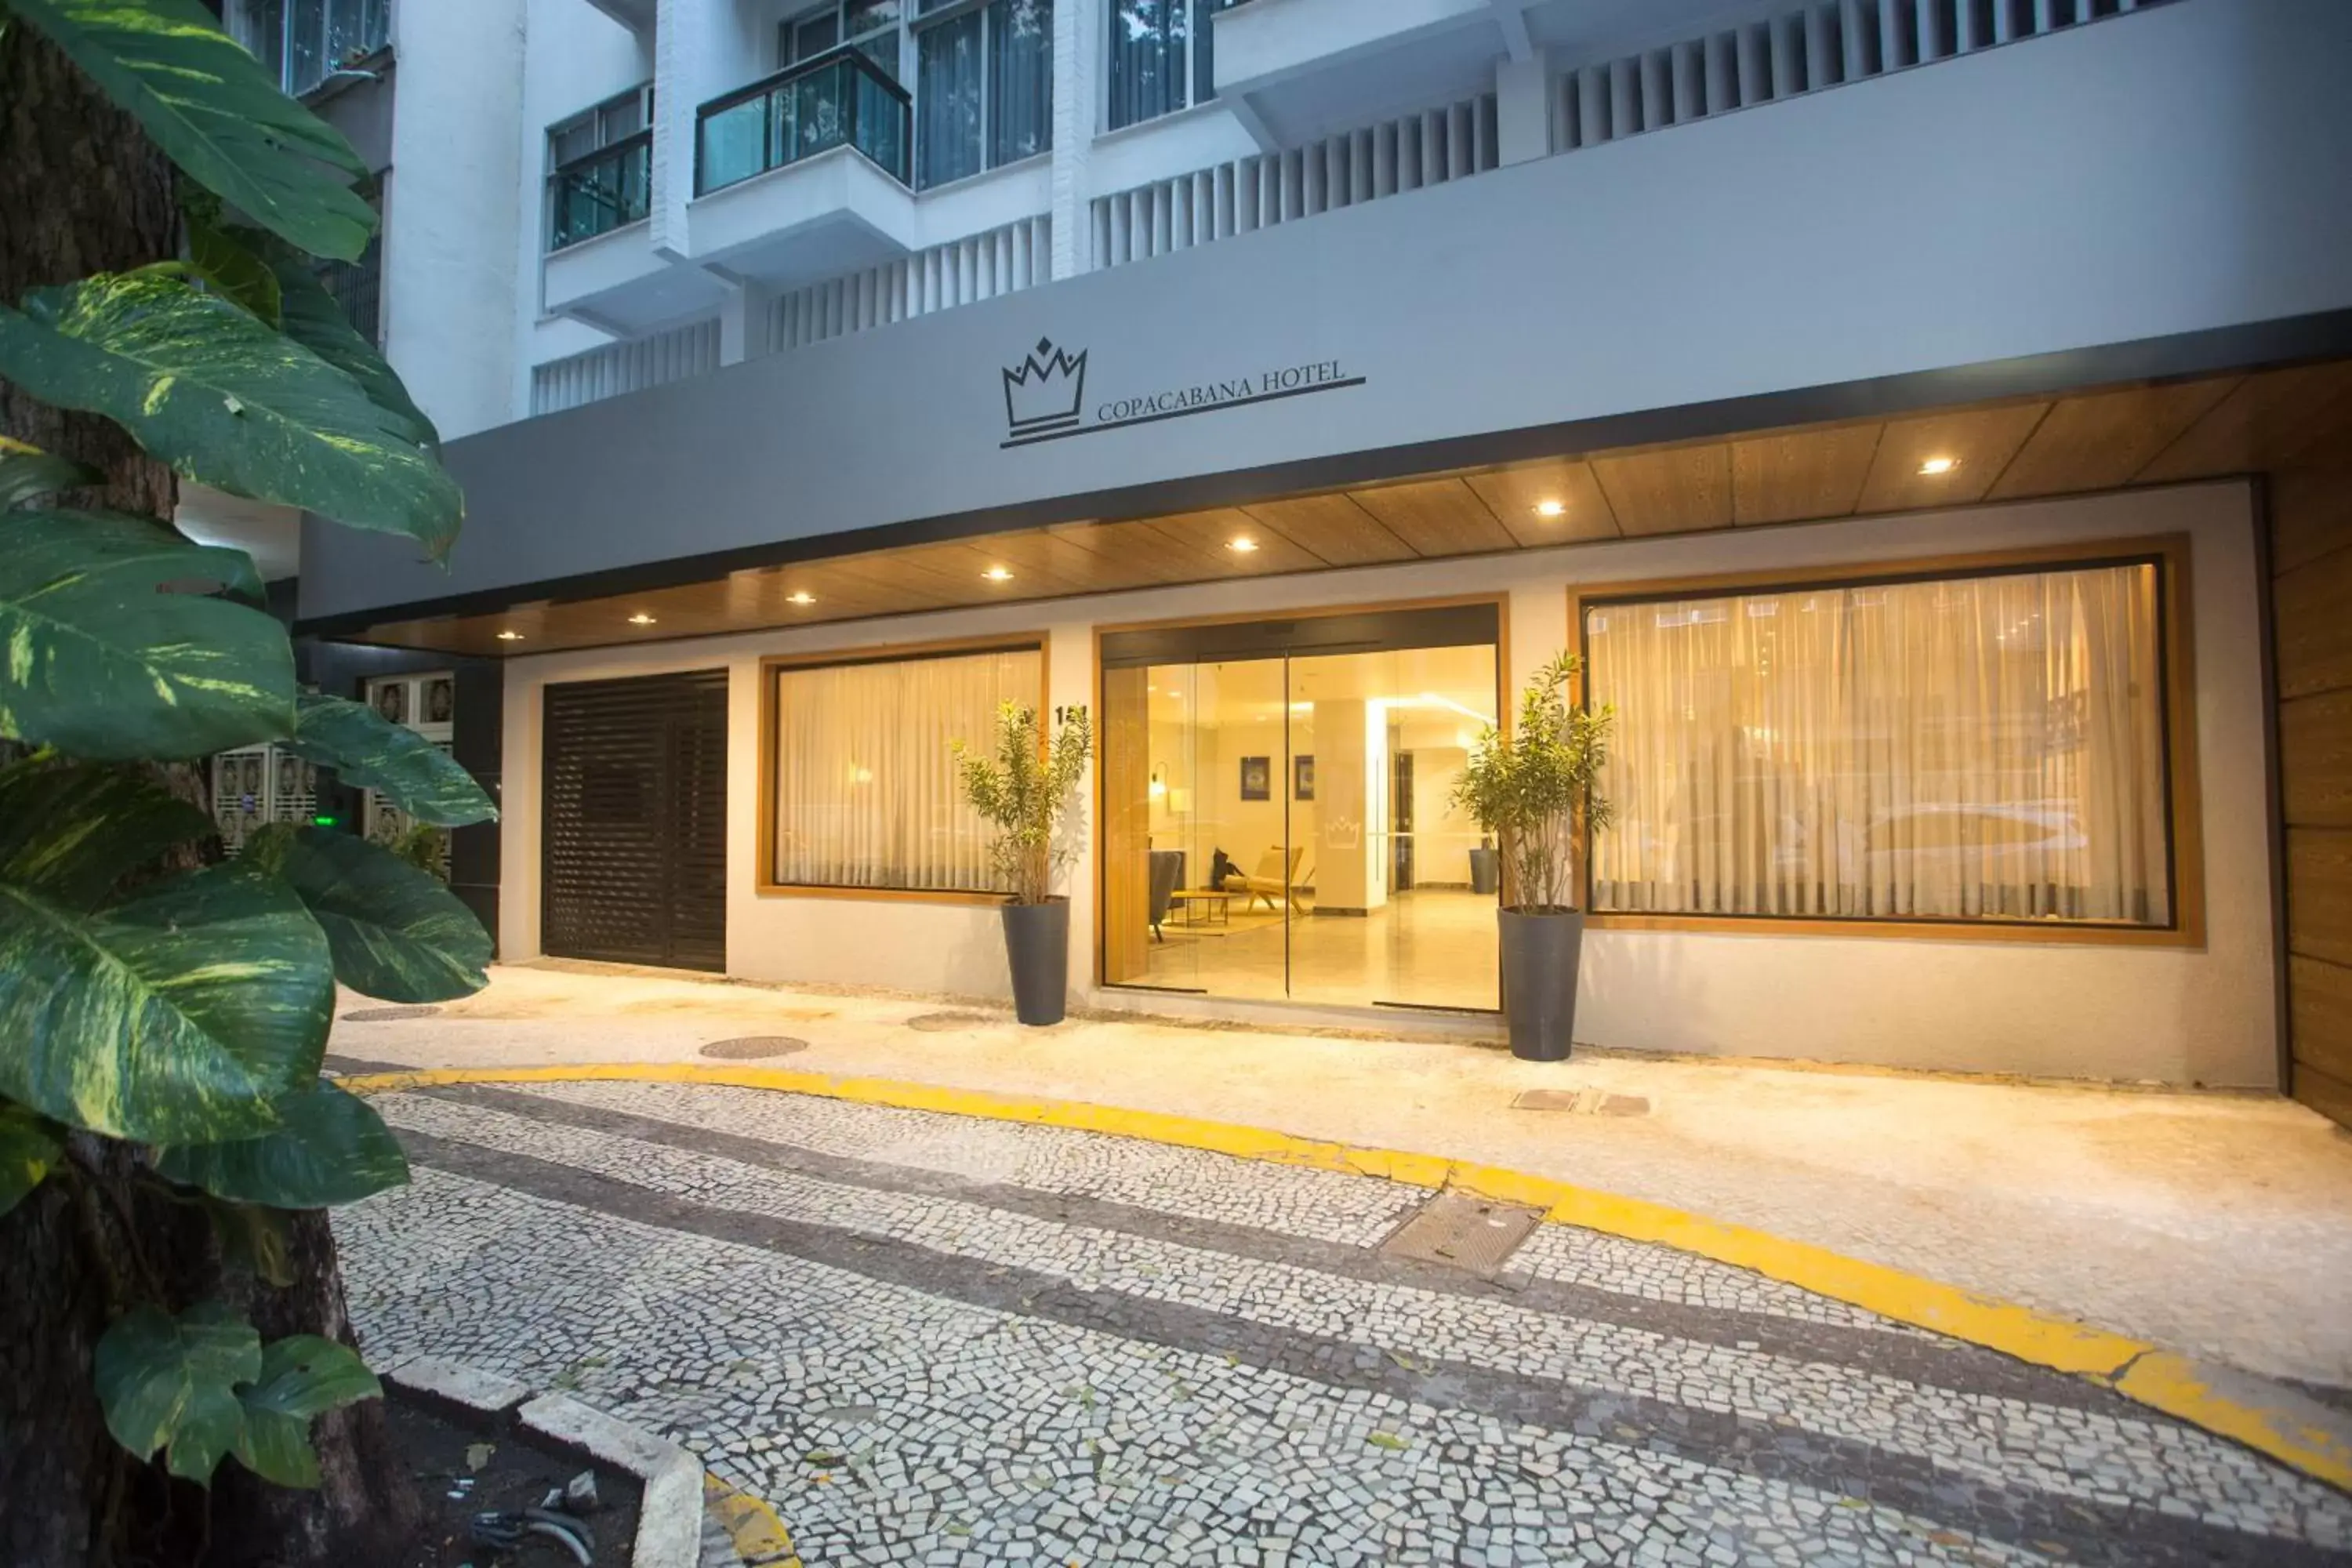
(1539, 959)
(1037, 941)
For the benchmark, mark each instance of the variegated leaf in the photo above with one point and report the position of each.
(163, 1380)
(312, 317)
(396, 932)
(72, 830)
(114, 645)
(27, 473)
(302, 1377)
(232, 269)
(228, 401)
(213, 111)
(177, 1017)
(28, 1149)
(102, 656)
(366, 747)
(330, 1147)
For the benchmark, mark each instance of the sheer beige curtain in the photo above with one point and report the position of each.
(866, 785)
(1985, 749)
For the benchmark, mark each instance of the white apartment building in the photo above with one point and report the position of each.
(1926, 417)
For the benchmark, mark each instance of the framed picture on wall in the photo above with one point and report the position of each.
(1258, 778)
(1302, 776)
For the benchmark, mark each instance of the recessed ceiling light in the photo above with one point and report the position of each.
(641, 619)
(998, 575)
(1934, 467)
(803, 597)
(509, 637)
(1550, 508)
(1242, 545)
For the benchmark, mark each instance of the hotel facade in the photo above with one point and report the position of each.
(1926, 419)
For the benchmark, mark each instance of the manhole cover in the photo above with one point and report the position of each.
(939, 1023)
(387, 1014)
(752, 1047)
(1581, 1101)
(1462, 1232)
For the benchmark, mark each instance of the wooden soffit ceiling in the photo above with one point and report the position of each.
(2018, 449)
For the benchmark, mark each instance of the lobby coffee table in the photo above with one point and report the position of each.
(1204, 906)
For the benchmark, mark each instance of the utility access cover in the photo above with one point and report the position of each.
(754, 1047)
(1463, 1232)
(387, 1014)
(944, 1023)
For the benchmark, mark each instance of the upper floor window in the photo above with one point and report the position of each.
(871, 25)
(1162, 56)
(984, 86)
(303, 42)
(600, 168)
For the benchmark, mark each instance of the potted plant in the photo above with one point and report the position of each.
(1025, 791)
(1533, 788)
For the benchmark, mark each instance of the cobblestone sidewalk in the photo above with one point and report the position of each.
(929, 1339)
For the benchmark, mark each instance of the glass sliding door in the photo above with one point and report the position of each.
(1277, 818)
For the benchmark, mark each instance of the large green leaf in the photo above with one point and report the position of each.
(213, 111)
(177, 1017)
(330, 1147)
(27, 473)
(312, 317)
(396, 932)
(232, 269)
(230, 401)
(163, 1379)
(28, 1149)
(100, 660)
(302, 1377)
(366, 747)
(72, 830)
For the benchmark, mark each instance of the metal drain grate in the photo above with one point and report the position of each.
(387, 1014)
(940, 1023)
(752, 1047)
(1463, 1232)
(1581, 1101)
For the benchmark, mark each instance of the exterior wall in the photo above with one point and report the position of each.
(2175, 1015)
(449, 279)
(1832, 240)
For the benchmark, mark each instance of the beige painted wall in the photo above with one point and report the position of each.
(2174, 1015)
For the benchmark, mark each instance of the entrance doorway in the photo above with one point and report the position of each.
(635, 821)
(1277, 809)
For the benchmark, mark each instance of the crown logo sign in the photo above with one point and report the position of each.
(1044, 391)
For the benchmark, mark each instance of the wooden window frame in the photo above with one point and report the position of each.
(2176, 662)
(767, 886)
(1098, 833)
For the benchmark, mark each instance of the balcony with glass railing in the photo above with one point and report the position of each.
(609, 188)
(841, 98)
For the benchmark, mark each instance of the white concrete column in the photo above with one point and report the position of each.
(1078, 49)
(701, 48)
(744, 321)
(1523, 109)
(449, 263)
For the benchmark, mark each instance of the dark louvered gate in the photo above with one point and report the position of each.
(635, 821)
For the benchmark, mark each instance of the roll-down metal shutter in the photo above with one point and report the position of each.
(634, 821)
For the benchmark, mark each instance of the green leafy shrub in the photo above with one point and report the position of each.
(1532, 785)
(1026, 792)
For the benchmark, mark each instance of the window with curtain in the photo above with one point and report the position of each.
(984, 86)
(866, 791)
(1987, 748)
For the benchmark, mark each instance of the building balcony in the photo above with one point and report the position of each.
(1298, 69)
(805, 173)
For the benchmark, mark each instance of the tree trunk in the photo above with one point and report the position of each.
(83, 191)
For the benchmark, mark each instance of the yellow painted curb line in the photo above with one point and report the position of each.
(2284, 1428)
(759, 1537)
